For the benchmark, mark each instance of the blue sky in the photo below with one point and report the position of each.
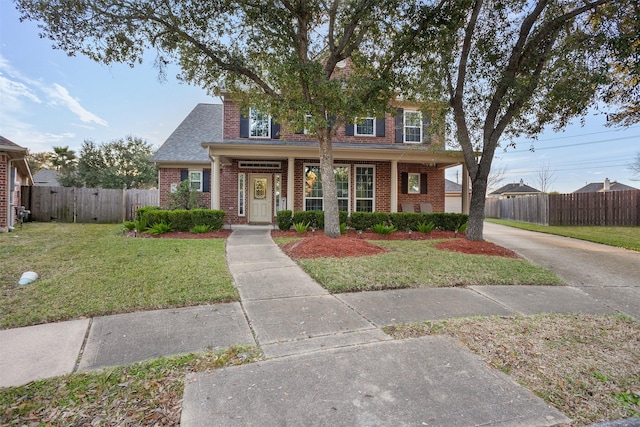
(50, 99)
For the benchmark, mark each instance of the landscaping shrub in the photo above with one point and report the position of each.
(303, 217)
(408, 220)
(129, 225)
(301, 227)
(160, 228)
(284, 219)
(424, 227)
(405, 220)
(201, 229)
(182, 219)
(383, 228)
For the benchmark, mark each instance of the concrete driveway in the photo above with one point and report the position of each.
(608, 274)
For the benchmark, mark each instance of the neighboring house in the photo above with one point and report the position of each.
(46, 178)
(515, 189)
(14, 173)
(453, 196)
(601, 187)
(252, 167)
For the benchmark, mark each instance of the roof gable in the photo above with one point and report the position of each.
(202, 124)
(516, 188)
(595, 187)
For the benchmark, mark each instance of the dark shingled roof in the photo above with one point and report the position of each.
(515, 188)
(452, 187)
(596, 187)
(46, 177)
(203, 124)
(4, 142)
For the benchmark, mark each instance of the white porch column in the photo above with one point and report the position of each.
(465, 189)
(215, 183)
(290, 183)
(394, 186)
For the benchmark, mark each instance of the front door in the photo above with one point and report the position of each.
(260, 198)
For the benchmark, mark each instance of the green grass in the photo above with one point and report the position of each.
(92, 270)
(417, 264)
(143, 394)
(622, 237)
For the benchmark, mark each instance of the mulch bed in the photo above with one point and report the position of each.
(317, 245)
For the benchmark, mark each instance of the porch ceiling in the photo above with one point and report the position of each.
(342, 152)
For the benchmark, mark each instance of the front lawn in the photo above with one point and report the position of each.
(622, 237)
(417, 264)
(89, 270)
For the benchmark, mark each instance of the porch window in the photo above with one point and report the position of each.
(195, 180)
(365, 188)
(259, 124)
(414, 183)
(241, 193)
(277, 194)
(412, 126)
(366, 126)
(313, 200)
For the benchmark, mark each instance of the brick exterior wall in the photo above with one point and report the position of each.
(168, 176)
(4, 197)
(435, 187)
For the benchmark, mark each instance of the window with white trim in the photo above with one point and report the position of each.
(195, 180)
(365, 126)
(313, 199)
(414, 183)
(277, 193)
(412, 126)
(241, 194)
(365, 189)
(259, 124)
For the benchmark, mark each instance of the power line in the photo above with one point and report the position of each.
(572, 145)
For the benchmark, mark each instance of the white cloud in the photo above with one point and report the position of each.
(13, 92)
(60, 96)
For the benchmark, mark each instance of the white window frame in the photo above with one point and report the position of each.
(253, 122)
(359, 121)
(277, 193)
(304, 193)
(199, 181)
(409, 189)
(406, 126)
(307, 123)
(355, 188)
(242, 189)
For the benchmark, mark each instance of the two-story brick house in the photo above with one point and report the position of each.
(251, 166)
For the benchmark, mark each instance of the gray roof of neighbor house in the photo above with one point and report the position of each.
(46, 178)
(596, 187)
(452, 187)
(515, 188)
(9, 145)
(203, 124)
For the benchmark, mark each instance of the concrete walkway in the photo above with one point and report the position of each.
(328, 363)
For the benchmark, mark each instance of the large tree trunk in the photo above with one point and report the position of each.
(476, 209)
(329, 190)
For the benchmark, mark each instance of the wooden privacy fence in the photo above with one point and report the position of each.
(612, 208)
(85, 205)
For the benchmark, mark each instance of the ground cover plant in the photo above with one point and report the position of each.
(90, 270)
(411, 264)
(143, 394)
(622, 237)
(587, 366)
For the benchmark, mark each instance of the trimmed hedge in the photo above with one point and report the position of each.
(408, 220)
(316, 218)
(284, 219)
(182, 219)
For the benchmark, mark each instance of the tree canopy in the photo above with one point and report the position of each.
(508, 68)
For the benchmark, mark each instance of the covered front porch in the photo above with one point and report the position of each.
(252, 180)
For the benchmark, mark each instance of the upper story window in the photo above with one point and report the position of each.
(259, 124)
(365, 126)
(413, 126)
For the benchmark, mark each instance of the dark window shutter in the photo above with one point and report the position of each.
(349, 130)
(380, 126)
(400, 125)
(426, 123)
(423, 183)
(275, 129)
(206, 181)
(404, 183)
(184, 174)
(244, 126)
